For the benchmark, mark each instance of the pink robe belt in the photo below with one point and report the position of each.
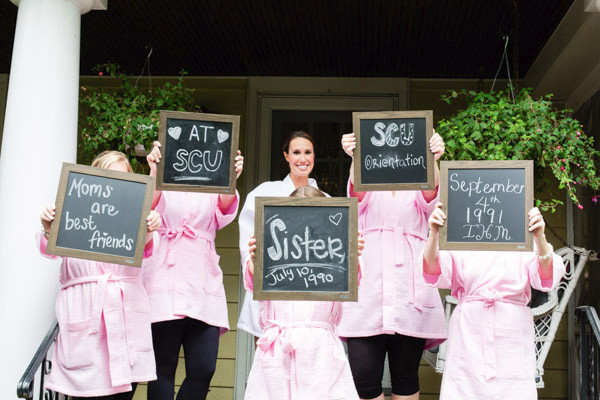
(97, 310)
(489, 297)
(272, 331)
(397, 241)
(175, 234)
(285, 333)
(399, 237)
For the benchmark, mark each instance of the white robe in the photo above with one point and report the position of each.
(249, 314)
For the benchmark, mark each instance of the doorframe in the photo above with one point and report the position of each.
(266, 94)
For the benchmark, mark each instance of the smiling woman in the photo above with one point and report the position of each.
(299, 152)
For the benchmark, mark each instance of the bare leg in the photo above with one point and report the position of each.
(414, 396)
(380, 397)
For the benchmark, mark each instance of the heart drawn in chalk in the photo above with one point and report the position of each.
(175, 132)
(222, 136)
(335, 219)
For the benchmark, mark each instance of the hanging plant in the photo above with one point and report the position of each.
(126, 118)
(493, 126)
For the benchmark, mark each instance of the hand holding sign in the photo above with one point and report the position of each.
(154, 157)
(437, 219)
(153, 221)
(47, 216)
(239, 164)
(349, 143)
(437, 146)
(536, 222)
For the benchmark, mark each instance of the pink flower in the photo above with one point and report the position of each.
(580, 207)
(100, 73)
(562, 168)
(578, 165)
(539, 130)
(557, 147)
(564, 160)
(595, 199)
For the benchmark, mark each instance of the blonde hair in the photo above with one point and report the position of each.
(108, 157)
(307, 191)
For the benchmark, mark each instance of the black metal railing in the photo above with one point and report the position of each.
(589, 344)
(25, 387)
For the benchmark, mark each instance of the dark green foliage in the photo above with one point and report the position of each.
(119, 119)
(493, 127)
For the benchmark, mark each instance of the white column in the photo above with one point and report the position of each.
(40, 132)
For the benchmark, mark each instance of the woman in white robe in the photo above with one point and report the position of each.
(299, 152)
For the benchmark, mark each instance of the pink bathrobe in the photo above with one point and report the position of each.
(491, 353)
(299, 355)
(105, 341)
(392, 297)
(183, 278)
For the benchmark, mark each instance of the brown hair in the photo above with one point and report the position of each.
(297, 134)
(307, 191)
(108, 157)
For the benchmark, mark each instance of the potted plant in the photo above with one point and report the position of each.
(126, 118)
(496, 126)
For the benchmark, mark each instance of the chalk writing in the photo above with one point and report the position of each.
(394, 151)
(99, 239)
(198, 151)
(486, 205)
(305, 248)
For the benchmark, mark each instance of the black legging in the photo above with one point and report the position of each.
(367, 358)
(200, 348)
(117, 396)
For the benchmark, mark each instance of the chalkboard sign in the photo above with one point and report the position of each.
(198, 152)
(101, 215)
(486, 204)
(306, 249)
(392, 150)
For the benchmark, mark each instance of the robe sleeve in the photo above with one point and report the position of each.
(362, 205)
(360, 274)
(248, 277)
(224, 218)
(246, 225)
(545, 285)
(446, 261)
(424, 206)
(42, 241)
(148, 251)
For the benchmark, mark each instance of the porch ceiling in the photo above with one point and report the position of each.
(409, 38)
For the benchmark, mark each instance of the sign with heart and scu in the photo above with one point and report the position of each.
(198, 152)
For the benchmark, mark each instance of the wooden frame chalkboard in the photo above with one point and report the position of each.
(196, 150)
(392, 150)
(99, 200)
(305, 278)
(486, 204)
